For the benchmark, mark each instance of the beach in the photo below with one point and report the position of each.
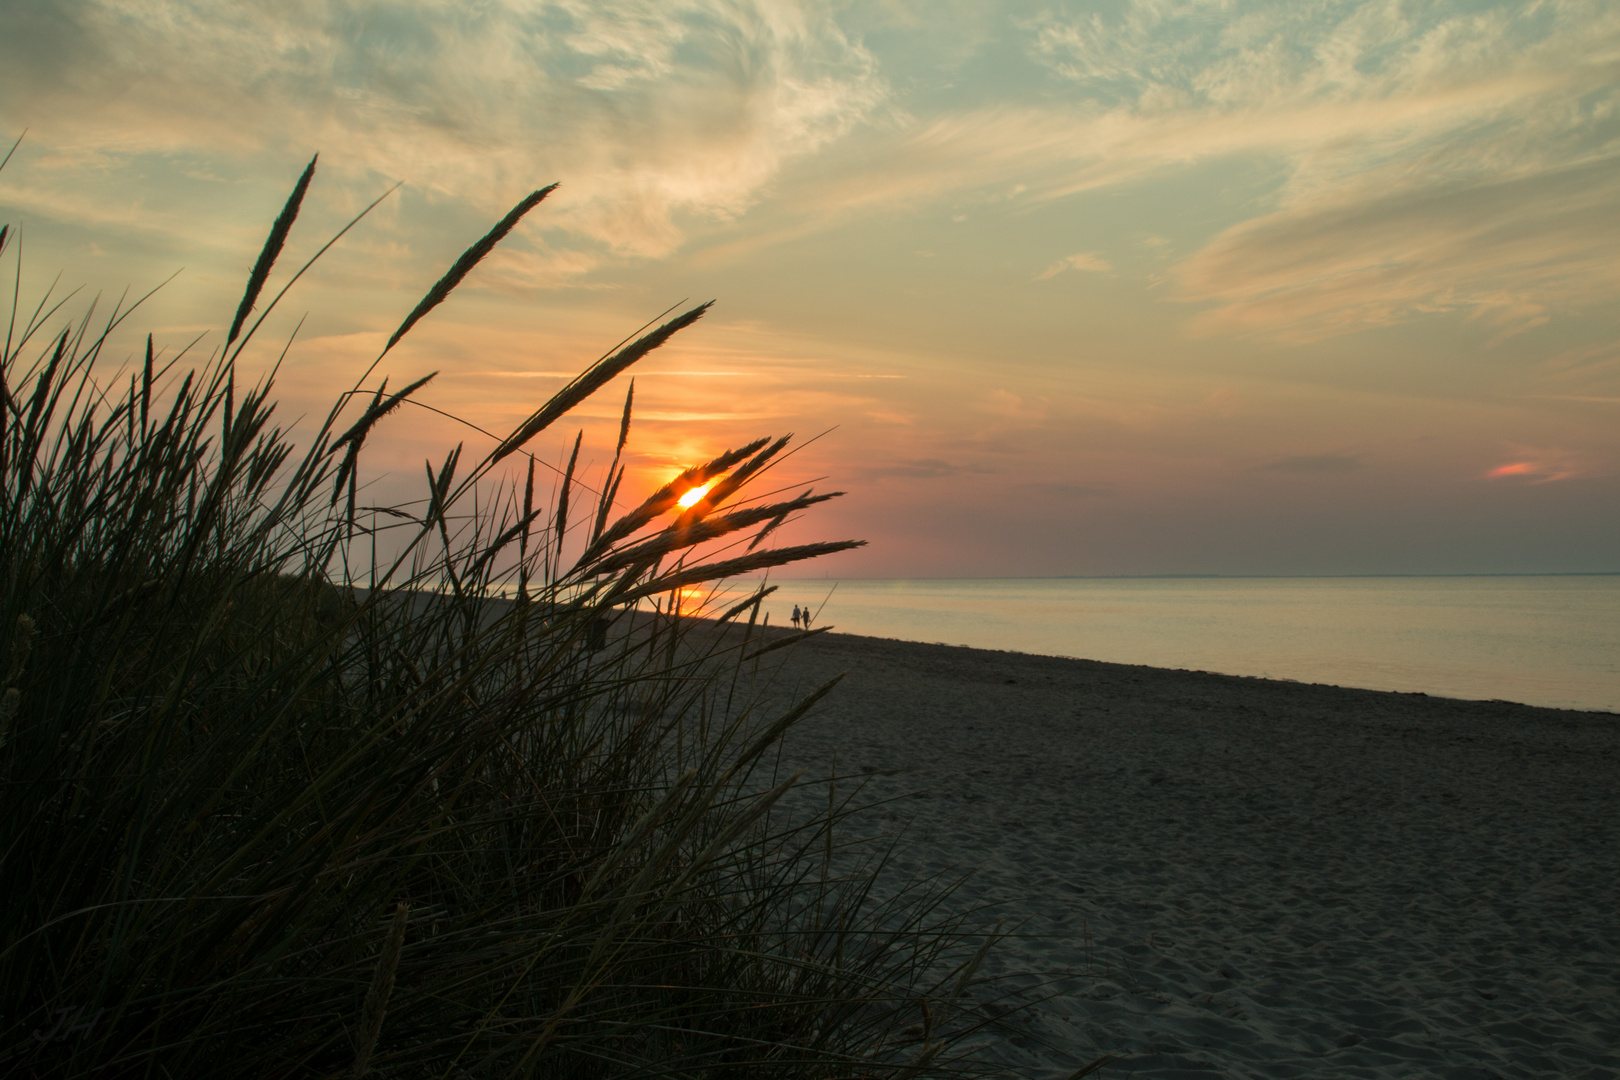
(1211, 875)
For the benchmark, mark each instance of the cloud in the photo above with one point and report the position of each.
(1442, 157)
(1314, 464)
(1060, 490)
(1507, 251)
(1540, 466)
(1085, 260)
(915, 469)
(1428, 158)
(647, 111)
(512, 269)
(1015, 407)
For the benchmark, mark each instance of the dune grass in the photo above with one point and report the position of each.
(291, 786)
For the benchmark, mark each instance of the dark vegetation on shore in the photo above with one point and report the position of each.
(294, 787)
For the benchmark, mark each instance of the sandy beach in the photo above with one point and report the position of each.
(1234, 877)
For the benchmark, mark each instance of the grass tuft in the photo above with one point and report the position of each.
(241, 718)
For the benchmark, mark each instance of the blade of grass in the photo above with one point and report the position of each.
(272, 249)
(469, 259)
(592, 380)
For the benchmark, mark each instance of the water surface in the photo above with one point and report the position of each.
(1540, 640)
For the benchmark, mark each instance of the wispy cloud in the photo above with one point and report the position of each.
(1509, 251)
(1024, 411)
(915, 469)
(1448, 156)
(1085, 260)
(1063, 490)
(1433, 158)
(1540, 465)
(1442, 157)
(648, 111)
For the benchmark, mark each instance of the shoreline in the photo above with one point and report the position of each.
(1543, 640)
(1236, 876)
(1264, 679)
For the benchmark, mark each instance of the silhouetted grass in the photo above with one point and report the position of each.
(293, 787)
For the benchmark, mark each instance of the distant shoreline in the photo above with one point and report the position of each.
(1207, 577)
(1151, 670)
(1539, 639)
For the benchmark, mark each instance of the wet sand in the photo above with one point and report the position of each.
(1235, 877)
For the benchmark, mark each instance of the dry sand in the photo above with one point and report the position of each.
(1235, 877)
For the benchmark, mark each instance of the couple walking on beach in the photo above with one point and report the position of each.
(801, 617)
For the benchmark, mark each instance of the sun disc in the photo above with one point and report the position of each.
(690, 499)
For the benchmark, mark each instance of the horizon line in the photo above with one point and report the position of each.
(1263, 577)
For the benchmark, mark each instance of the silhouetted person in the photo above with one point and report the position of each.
(805, 618)
(796, 616)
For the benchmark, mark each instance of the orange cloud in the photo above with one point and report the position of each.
(1541, 467)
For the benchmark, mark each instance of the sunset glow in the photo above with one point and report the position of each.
(690, 499)
(1155, 287)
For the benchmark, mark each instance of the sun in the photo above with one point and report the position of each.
(690, 499)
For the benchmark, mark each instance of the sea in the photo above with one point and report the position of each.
(1541, 640)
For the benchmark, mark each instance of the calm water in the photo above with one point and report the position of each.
(1542, 640)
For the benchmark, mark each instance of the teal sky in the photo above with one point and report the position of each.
(1082, 288)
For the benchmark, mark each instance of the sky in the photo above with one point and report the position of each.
(1125, 287)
